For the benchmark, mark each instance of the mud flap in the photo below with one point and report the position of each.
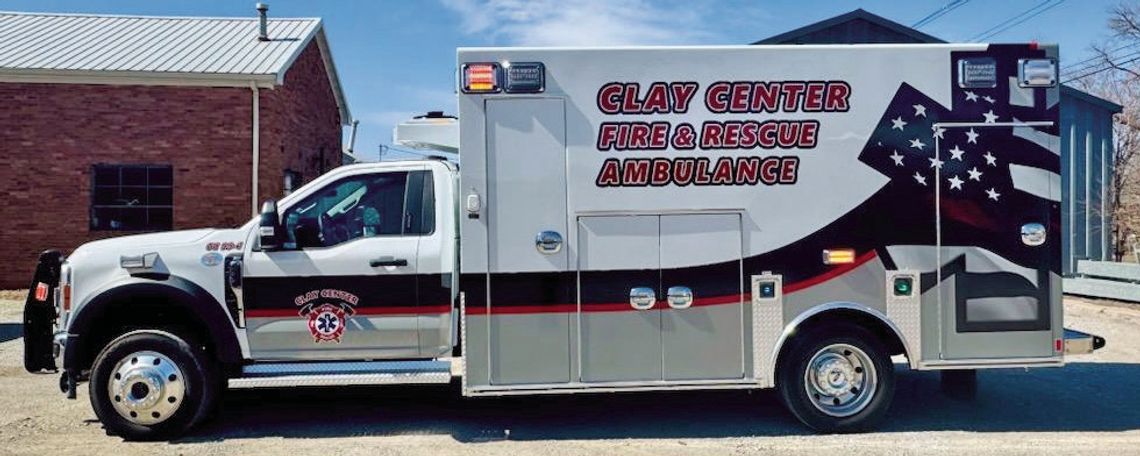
(40, 314)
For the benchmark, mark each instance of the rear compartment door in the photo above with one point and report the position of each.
(999, 241)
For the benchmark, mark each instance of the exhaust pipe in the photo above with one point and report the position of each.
(262, 22)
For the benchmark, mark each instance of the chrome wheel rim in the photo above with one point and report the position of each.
(840, 380)
(146, 387)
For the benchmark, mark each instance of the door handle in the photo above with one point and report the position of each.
(387, 261)
(642, 298)
(679, 297)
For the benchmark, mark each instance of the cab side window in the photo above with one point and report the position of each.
(381, 204)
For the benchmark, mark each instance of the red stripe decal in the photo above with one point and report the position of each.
(661, 305)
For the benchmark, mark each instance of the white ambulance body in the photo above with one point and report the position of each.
(621, 219)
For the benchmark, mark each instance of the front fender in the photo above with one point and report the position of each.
(139, 296)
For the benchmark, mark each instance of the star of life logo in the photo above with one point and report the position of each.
(327, 313)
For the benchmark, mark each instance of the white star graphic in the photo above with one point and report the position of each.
(897, 123)
(988, 99)
(972, 136)
(990, 159)
(956, 153)
(919, 110)
(920, 178)
(993, 194)
(917, 144)
(975, 174)
(971, 96)
(897, 158)
(937, 131)
(935, 162)
(955, 183)
(990, 116)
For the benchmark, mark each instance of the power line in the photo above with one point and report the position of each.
(1098, 60)
(1018, 19)
(939, 13)
(1102, 70)
(1099, 64)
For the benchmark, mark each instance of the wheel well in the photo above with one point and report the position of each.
(876, 326)
(130, 313)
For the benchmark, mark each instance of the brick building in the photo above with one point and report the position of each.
(113, 125)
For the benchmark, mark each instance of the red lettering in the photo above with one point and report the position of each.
(656, 100)
(769, 170)
(608, 175)
(701, 175)
(808, 132)
(629, 104)
(789, 170)
(635, 172)
(710, 135)
(607, 98)
(789, 134)
(639, 136)
(813, 96)
(767, 135)
(683, 171)
(723, 172)
(683, 93)
(659, 135)
(766, 97)
(607, 134)
(748, 135)
(738, 101)
(660, 171)
(747, 170)
(837, 94)
(792, 92)
(731, 131)
(715, 97)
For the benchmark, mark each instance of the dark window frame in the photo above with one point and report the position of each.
(99, 199)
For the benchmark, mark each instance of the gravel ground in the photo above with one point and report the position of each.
(1092, 406)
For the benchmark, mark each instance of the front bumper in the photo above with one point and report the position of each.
(40, 315)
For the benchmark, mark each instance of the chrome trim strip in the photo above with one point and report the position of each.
(791, 327)
(603, 387)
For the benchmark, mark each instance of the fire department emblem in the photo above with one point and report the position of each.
(327, 312)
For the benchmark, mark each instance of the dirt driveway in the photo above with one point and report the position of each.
(1090, 407)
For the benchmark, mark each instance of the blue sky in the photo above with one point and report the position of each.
(397, 58)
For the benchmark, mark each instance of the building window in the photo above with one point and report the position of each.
(132, 197)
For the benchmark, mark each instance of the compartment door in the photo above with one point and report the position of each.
(999, 241)
(617, 257)
(530, 289)
(702, 329)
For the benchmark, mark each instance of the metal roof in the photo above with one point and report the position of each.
(112, 49)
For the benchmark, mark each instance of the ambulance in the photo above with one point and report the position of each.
(805, 218)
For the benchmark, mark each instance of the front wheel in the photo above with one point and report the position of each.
(837, 378)
(149, 385)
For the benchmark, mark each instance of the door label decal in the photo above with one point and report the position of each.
(327, 312)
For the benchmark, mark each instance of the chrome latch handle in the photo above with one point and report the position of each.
(548, 242)
(642, 298)
(1033, 234)
(680, 297)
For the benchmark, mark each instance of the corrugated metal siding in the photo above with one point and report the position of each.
(1086, 164)
(30, 41)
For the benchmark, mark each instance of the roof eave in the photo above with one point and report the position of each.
(50, 76)
(852, 15)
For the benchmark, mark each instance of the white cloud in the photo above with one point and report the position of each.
(584, 22)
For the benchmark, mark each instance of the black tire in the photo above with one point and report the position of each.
(199, 385)
(960, 384)
(792, 384)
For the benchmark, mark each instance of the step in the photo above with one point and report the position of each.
(337, 373)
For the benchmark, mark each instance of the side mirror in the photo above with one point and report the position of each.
(269, 230)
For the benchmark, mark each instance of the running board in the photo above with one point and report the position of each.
(277, 375)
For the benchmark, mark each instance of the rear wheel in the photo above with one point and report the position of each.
(836, 378)
(149, 385)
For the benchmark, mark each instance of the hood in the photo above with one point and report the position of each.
(138, 242)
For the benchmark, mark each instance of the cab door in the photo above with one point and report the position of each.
(344, 285)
